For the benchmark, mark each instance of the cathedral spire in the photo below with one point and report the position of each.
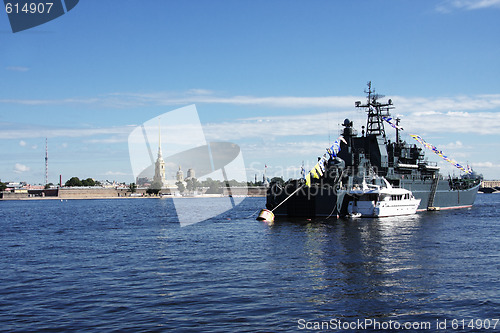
(159, 177)
(159, 138)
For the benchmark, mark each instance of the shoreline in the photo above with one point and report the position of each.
(129, 197)
(71, 193)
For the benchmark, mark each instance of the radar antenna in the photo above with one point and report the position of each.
(375, 111)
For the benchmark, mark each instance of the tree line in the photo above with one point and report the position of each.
(213, 186)
(75, 181)
(192, 184)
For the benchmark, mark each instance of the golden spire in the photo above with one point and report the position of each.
(159, 137)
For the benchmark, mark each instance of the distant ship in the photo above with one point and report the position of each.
(403, 165)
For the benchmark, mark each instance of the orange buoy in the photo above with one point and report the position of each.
(266, 216)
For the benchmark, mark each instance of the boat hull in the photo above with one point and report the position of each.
(383, 208)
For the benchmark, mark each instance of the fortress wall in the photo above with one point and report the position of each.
(88, 193)
(490, 183)
(14, 196)
(250, 191)
(101, 193)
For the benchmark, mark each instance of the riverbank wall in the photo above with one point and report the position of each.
(68, 193)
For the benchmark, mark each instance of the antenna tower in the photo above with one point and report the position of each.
(46, 162)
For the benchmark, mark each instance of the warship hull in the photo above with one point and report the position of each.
(444, 198)
(312, 203)
(308, 202)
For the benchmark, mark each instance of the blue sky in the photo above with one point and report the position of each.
(275, 77)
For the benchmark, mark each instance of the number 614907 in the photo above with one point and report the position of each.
(29, 8)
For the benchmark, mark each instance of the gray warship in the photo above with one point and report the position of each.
(371, 155)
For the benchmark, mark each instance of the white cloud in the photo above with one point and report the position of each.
(200, 91)
(453, 145)
(485, 165)
(449, 5)
(210, 97)
(17, 68)
(270, 127)
(123, 100)
(286, 148)
(457, 114)
(429, 106)
(484, 123)
(22, 143)
(20, 168)
(72, 101)
(18, 131)
(415, 104)
(113, 139)
(115, 173)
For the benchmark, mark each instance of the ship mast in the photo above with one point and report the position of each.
(375, 110)
(397, 130)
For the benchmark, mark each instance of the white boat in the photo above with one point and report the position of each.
(381, 200)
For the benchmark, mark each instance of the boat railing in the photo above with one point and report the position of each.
(427, 163)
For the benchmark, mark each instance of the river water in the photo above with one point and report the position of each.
(126, 265)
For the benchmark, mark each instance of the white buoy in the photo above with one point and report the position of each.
(266, 216)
